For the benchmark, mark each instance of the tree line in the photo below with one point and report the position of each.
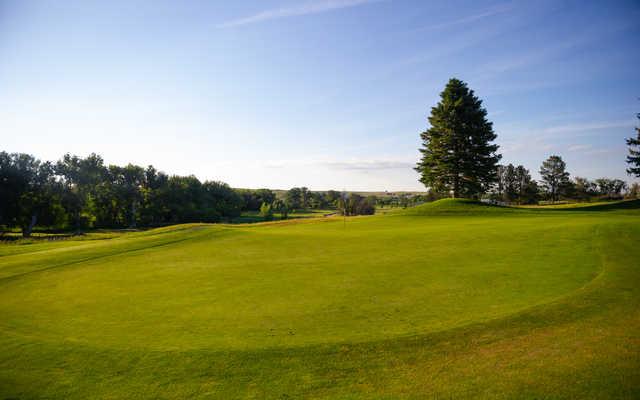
(459, 159)
(515, 186)
(78, 193)
(301, 198)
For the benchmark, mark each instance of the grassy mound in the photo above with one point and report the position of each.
(472, 207)
(458, 207)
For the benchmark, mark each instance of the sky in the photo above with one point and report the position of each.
(328, 94)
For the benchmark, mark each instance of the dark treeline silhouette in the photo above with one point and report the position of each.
(79, 193)
(252, 199)
(267, 201)
(355, 204)
(303, 198)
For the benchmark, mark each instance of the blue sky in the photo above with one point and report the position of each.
(322, 93)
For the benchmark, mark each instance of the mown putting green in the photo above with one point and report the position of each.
(450, 299)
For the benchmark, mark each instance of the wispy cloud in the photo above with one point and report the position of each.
(495, 10)
(531, 56)
(368, 165)
(544, 52)
(589, 150)
(597, 152)
(569, 128)
(314, 7)
(459, 41)
(580, 147)
(546, 139)
(346, 165)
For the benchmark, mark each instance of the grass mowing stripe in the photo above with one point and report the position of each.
(45, 260)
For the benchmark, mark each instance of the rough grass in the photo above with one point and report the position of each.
(447, 300)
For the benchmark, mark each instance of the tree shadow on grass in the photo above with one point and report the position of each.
(616, 206)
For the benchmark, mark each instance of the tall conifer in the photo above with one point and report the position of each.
(458, 155)
(634, 154)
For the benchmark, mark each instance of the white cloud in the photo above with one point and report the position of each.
(315, 7)
(580, 147)
(596, 152)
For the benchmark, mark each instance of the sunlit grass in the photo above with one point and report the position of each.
(451, 299)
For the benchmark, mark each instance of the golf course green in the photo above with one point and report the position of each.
(451, 299)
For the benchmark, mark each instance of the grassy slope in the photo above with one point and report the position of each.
(470, 301)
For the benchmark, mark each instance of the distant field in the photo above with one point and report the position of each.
(452, 299)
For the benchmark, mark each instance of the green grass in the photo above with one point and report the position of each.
(451, 299)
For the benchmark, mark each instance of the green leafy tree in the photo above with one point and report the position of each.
(555, 178)
(29, 192)
(219, 201)
(282, 207)
(610, 188)
(354, 204)
(11, 185)
(507, 182)
(83, 192)
(525, 187)
(132, 181)
(634, 191)
(584, 189)
(332, 198)
(253, 199)
(458, 155)
(531, 193)
(294, 198)
(81, 176)
(515, 185)
(266, 212)
(634, 153)
(152, 209)
(305, 197)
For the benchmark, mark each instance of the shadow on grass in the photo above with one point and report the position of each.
(615, 206)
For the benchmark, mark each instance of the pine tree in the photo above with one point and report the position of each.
(634, 154)
(554, 176)
(458, 155)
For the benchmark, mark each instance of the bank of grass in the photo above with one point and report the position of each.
(448, 300)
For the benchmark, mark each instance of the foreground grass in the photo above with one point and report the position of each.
(448, 300)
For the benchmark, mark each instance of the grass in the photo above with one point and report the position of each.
(450, 299)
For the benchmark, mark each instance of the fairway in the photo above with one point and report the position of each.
(449, 299)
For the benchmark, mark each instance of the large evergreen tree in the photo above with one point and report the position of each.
(634, 153)
(458, 155)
